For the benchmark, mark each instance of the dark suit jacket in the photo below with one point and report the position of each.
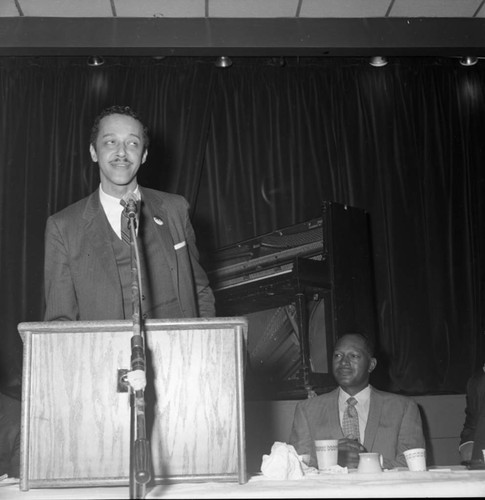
(393, 425)
(474, 426)
(80, 272)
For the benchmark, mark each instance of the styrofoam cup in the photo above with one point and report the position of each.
(327, 452)
(416, 459)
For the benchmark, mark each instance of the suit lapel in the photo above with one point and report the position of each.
(98, 230)
(156, 219)
(329, 416)
(334, 417)
(375, 409)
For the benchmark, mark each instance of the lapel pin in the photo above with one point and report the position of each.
(158, 220)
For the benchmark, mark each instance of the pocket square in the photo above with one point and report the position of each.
(179, 245)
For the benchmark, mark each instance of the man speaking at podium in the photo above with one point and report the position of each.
(87, 269)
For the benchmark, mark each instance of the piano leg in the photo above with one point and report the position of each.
(302, 321)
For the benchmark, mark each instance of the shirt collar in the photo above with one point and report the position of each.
(362, 397)
(113, 203)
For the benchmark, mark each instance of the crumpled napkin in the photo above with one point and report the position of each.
(282, 463)
(335, 469)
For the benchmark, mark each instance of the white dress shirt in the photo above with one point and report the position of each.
(113, 208)
(362, 407)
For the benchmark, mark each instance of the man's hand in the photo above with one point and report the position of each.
(348, 452)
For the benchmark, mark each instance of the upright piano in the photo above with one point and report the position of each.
(300, 286)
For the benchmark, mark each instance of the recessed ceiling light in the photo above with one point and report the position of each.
(95, 61)
(378, 61)
(223, 62)
(469, 61)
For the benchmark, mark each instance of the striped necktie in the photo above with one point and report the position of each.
(125, 230)
(350, 421)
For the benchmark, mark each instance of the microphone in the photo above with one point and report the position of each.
(130, 204)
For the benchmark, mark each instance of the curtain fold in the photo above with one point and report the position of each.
(255, 148)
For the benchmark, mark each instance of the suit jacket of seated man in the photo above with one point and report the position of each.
(81, 275)
(473, 431)
(393, 425)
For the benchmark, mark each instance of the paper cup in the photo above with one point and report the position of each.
(416, 459)
(327, 453)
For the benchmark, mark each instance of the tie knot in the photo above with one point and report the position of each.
(133, 206)
(351, 401)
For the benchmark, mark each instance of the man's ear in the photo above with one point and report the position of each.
(144, 157)
(94, 156)
(372, 365)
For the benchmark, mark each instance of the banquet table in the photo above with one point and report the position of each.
(455, 481)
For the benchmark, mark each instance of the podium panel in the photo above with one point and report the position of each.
(76, 414)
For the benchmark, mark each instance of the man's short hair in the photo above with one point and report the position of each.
(368, 342)
(117, 110)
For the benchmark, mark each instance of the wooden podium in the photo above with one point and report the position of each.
(76, 415)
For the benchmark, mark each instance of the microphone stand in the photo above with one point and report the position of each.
(139, 445)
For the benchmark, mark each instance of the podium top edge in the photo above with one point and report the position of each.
(127, 325)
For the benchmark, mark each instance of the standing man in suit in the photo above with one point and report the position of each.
(386, 423)
(87, 263)
(472, 437)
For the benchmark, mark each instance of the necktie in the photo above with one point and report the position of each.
(125, 230)
(350, 421)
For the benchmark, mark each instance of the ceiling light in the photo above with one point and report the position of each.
(223, 62)
(95, 61)
(378, 61)
(277, 61)
(469, 61)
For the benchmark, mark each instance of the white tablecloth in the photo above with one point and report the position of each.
(442, 482)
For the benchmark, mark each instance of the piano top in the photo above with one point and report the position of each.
(268, 250)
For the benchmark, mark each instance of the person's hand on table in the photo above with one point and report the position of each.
(348, 452)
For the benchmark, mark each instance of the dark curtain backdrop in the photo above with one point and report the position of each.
(257, 147)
